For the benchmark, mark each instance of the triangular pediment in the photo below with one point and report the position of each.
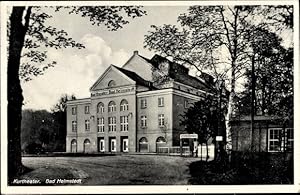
(112, 77)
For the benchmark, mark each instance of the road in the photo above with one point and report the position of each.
(119, 169)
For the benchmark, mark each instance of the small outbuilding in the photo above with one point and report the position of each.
(271, 134)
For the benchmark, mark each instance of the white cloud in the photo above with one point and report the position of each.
(95, 44)
(120, 57)
(74, 73)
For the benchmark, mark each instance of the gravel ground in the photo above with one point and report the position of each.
(113, 170)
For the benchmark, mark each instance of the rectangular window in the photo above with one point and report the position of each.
(124, 123)
(100, 124)
(74, 126)
(87, 125)
(87, 110)
(144, 121)
(289, 139)
(160, 101)
(112, 126)
(143, 103)
(274, 144)
(280, 140)
(161, 120)
(73, 110)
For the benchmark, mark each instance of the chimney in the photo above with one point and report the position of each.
(135, 52)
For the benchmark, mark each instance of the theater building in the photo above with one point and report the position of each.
(136, 108)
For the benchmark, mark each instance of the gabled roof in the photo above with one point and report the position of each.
(182, 75)
(105, 73)
(177, 72)
(256, 118)
(139, 80)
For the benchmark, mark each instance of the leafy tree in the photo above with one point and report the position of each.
(59, 114)
(61, 105)
(28, 30)
(204, 119)
(215, 39)
(37, 127)
(46, 129)
(205, 33)
(280, 16)
(274, 84)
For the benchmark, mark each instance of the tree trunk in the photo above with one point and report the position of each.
(207, 152)
(201, 152)
(253, 110)
(229, 114)
(233, 52)
(14, 94)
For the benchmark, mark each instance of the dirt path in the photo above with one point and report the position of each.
(120, 169)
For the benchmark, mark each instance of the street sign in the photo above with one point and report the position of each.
(219, 138)
(188, 136)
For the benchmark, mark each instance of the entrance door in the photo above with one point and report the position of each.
(113, 144)
(101, 145)
(143, 145)
(125, 145)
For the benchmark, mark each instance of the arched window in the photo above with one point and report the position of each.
(112, 106)
(160, 140)
(124, 105)
(86, 141)
(143, 140)
(73, 146)
(86, 146)
(74, 142)
(161, 145)
(100, 107)
(143, 145)
(111, 83)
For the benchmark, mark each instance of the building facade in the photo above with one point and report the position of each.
(270, 134)
(136, 108)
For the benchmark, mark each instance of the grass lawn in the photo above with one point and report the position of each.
(246, 169)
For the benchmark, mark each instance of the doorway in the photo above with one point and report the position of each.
(143, 145)
(112, 144)
(124, 145)
(101, 144)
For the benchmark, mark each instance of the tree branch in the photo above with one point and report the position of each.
(227, 31)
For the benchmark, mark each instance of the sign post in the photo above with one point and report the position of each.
(219, 138)
(186, 136)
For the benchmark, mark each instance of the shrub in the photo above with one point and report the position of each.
(34, 148)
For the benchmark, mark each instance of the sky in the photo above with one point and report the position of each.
(77, 70)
